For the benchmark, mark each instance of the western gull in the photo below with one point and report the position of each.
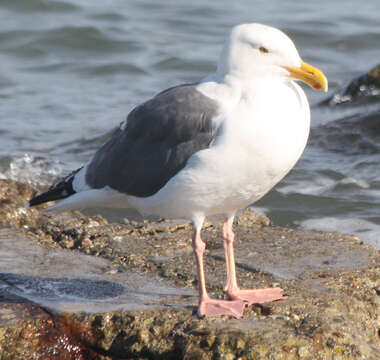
(207, 148)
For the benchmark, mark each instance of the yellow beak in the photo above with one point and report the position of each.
(310, 75)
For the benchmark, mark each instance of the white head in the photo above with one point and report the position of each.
(256, 50)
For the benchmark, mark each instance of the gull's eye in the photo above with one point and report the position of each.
(263, 50)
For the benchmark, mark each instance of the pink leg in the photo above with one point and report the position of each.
(207, 306)
(251, 296)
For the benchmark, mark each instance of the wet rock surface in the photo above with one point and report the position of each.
(355, 130)
(364, 88)
(77, 287)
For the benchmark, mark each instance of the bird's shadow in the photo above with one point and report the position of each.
(18, 288)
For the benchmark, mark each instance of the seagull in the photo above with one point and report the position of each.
(207, 148)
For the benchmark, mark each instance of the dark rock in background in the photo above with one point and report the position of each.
(358, 131)
(364, 88)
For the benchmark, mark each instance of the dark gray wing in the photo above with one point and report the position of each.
(159, 138)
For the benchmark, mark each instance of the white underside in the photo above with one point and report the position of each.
(263, 134)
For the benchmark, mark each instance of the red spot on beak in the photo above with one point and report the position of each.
(317, 86)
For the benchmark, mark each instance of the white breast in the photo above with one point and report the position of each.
(260, 140)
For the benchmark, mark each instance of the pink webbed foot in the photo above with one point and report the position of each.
(212, 307)
(256, 296)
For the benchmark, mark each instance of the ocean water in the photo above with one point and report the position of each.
(72, 69)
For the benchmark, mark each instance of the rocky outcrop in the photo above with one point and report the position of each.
(77, 287)
(363, 88)
(354, 130)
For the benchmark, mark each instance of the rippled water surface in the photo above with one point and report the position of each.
(72, 69)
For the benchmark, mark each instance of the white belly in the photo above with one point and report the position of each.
(255, 149)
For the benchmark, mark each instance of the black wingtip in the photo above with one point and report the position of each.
(46, 197)
(60, 190)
